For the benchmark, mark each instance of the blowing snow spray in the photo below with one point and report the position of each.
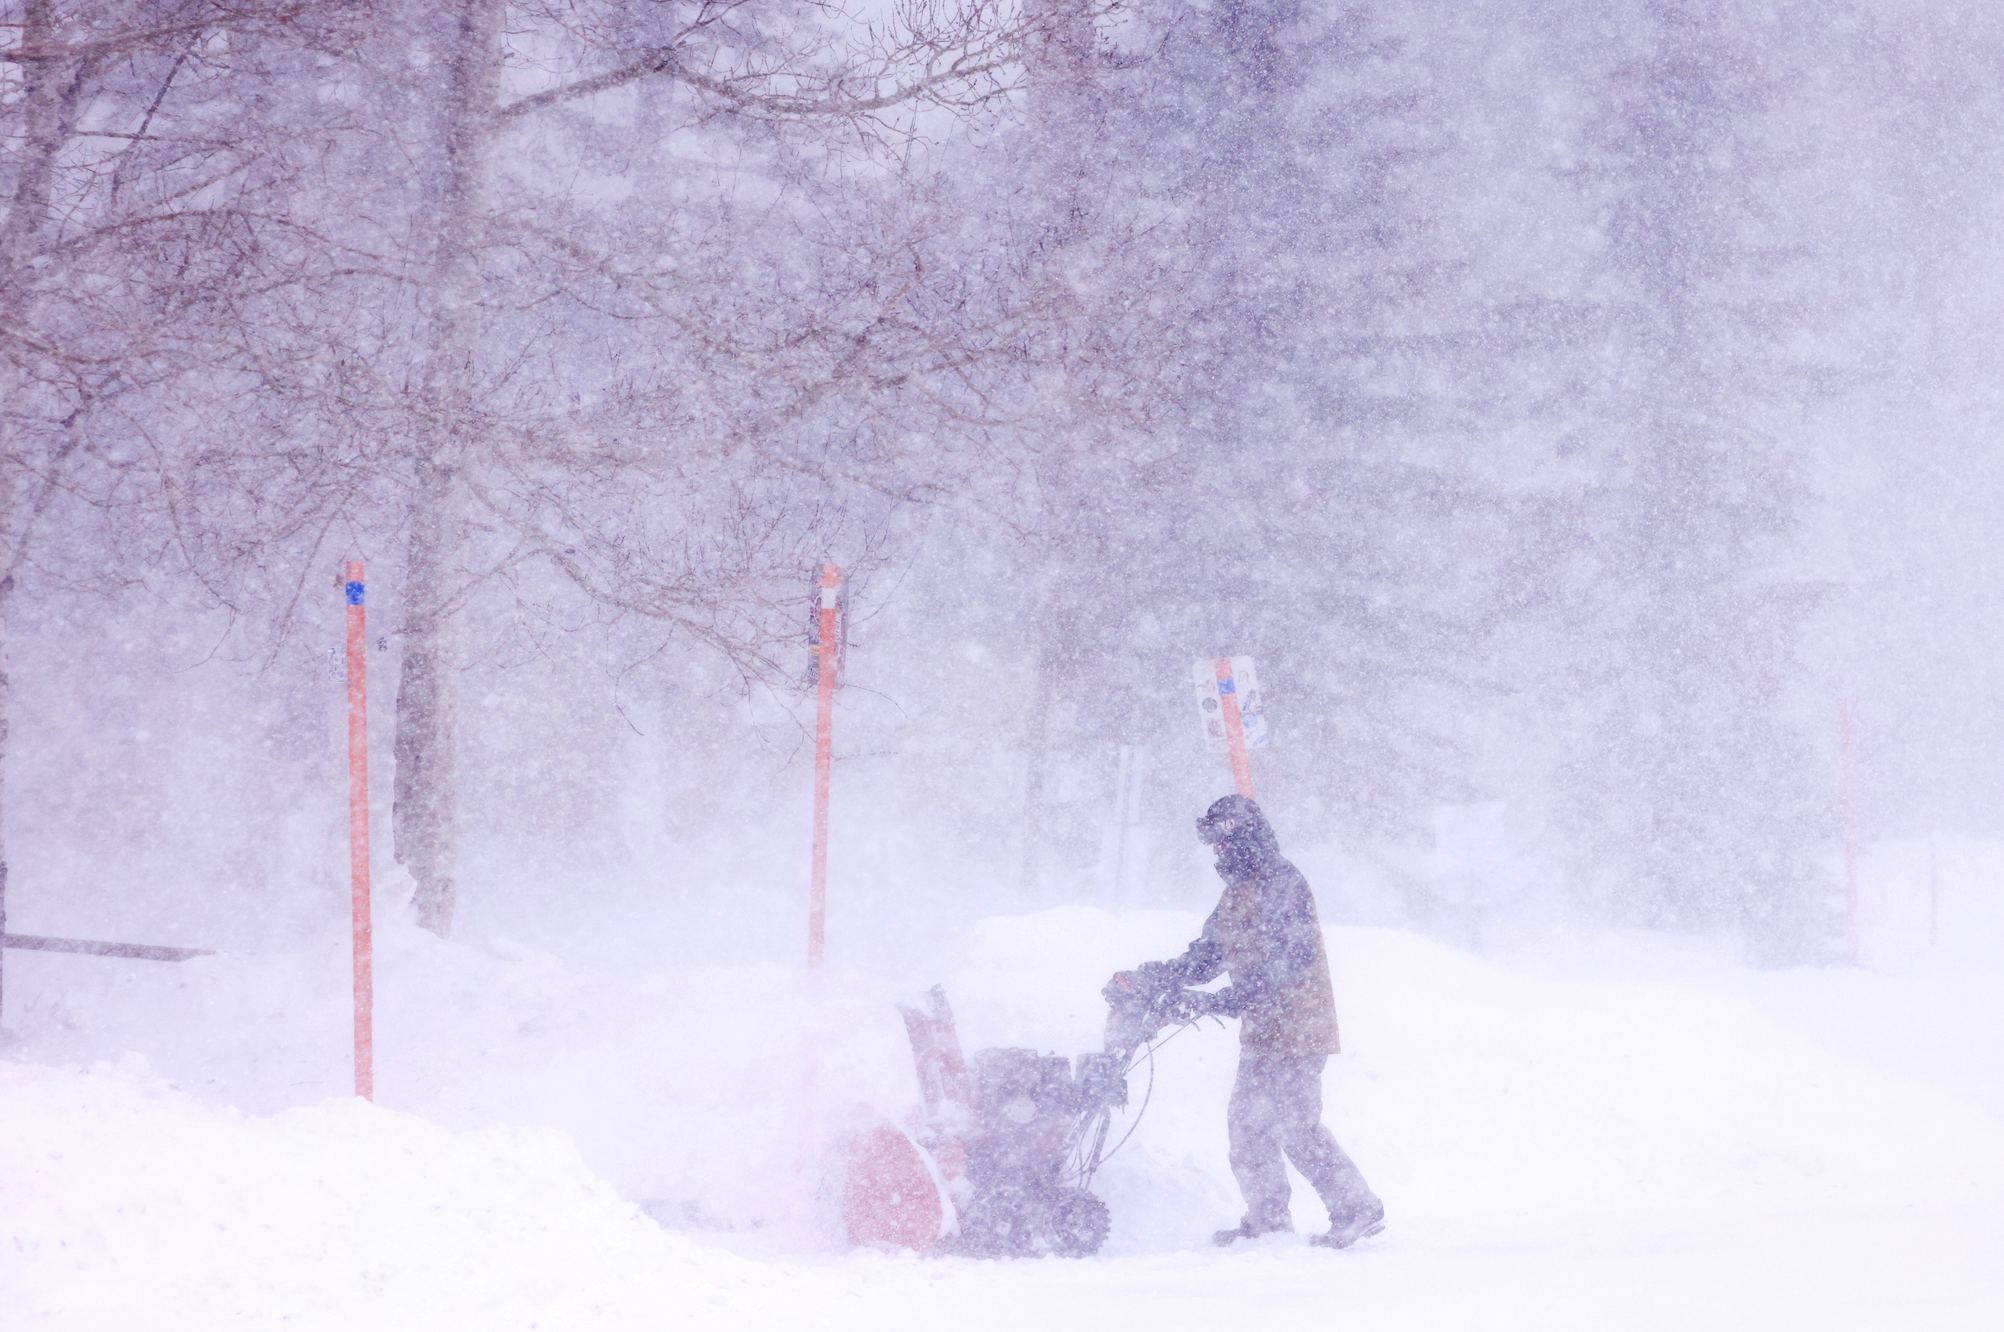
(998, 1162)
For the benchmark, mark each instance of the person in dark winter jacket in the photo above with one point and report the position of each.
(1265, 934)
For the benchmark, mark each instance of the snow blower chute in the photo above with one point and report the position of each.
(1012, 1138)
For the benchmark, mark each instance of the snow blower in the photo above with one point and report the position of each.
(1010, 1139)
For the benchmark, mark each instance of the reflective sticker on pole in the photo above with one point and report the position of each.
(358, 834)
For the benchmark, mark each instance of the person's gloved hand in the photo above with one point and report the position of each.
(1189, 1005)
(1144, 979)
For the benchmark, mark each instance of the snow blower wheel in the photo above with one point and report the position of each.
(1079, 1223)
(1014, 1222)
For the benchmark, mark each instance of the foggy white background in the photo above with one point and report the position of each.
(1575, 409)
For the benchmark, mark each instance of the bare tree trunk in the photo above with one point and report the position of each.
(1063, 117)
(425, 814)
(6, 710)
(1037, 773)
(425, 820)
(1054, 630)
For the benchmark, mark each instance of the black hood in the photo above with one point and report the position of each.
(1248, 846)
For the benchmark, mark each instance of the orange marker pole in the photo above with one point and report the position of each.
(824, 729)
(358, 834)
(1235, 729)
(827, 663)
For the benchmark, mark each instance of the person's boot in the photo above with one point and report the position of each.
(1361, 1223)
(1251, 1229)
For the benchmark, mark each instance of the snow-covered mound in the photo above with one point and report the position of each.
(1556, 1149)
(128, 1204)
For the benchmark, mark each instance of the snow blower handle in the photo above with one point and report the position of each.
(1145, 981)
(1141, 1002)
(1183, 1007)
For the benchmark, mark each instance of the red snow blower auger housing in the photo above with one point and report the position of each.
(1011, 1138)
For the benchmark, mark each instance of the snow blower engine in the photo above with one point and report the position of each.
(1011, 1137)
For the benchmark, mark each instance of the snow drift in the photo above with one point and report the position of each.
(1557, 1150)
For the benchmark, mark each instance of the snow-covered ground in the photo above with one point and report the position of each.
(1601, 1132)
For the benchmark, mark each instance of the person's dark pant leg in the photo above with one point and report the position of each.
(1255, 1123)
(1276, 1111)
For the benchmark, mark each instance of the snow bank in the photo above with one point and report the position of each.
(128, 1204)
(1665, 1146)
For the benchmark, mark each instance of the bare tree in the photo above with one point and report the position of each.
(544, 331)
(133, 207)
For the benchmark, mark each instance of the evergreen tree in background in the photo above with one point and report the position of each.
(1687, 794)
(1273, 502)
(1324, 527)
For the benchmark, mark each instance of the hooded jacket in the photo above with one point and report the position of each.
(1265, 933)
